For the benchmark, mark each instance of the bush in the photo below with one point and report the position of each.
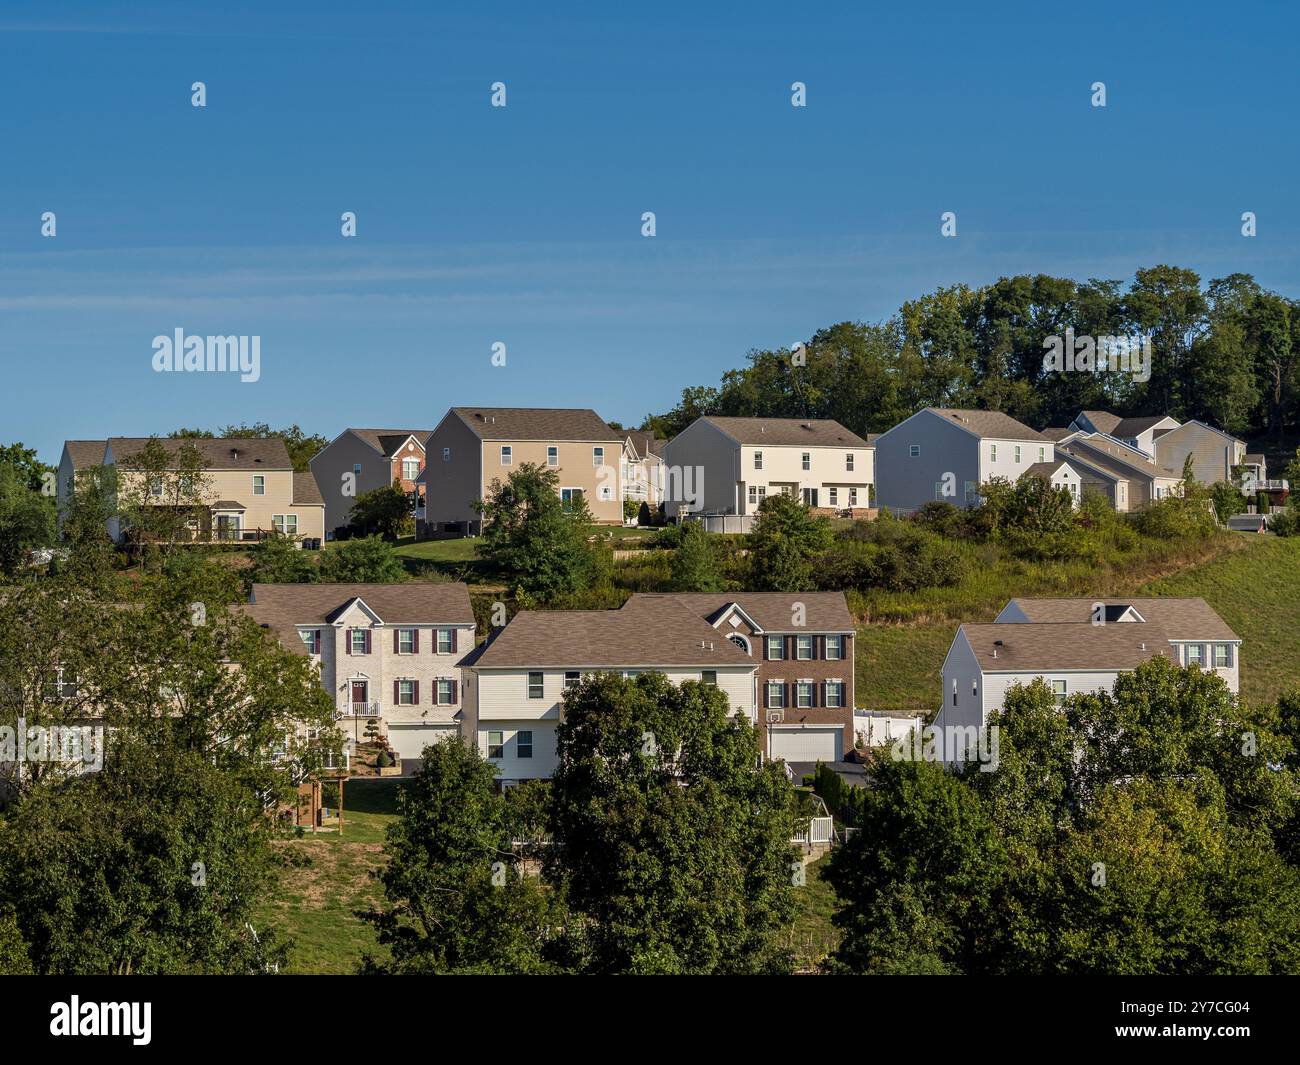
(1177, 518)
(1285, 523)
(383, 760)
(896, 556)
(1228, 500)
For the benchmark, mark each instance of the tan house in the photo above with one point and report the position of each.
(643, 468)
(1127, 477)
(249, 490)
(474, 446)
(387, 652)
(361, 460)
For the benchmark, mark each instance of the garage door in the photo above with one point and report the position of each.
(810, 743)
(409, 741)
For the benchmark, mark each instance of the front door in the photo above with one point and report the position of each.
(359, 696)
(810, 496)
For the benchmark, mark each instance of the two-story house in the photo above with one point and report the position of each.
(643, 468)
(720, 465)
(803, 644)
(944, 454)
(249, 486)
(387, 652)
(474, 446)
(515, 683)
(1078, 645)
(361, 460)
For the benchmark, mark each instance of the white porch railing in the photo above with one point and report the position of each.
(819, 830)
(359, 710)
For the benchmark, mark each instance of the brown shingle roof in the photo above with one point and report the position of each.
(988, 424)
(1189, 618)
(85, 453)
(536, 423)
(771, 611)
(387, 441)
(1102, 420)
(1046, 469)
(647, 443)
(305, 490)
(282, 607)
(1065, 645)
(1056, 433)
(659, 634)
(230, 453)
(1119, 458)
(780, 432)
(1132, 427)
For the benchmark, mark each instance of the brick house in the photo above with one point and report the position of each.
(363, 460)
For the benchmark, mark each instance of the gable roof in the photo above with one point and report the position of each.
(1046, 469)
(85, 453)
(652, 634)
(388, 441)
(1108, 453)
(226, 453)
(1183, 618)
(283, 607)
(1134, 427)
(537, 423)
(646, 444)
(1200, 425)
(1049, 646)
(988, 424)
(771, 611)
(1102, 420)
(305, 490)
(783, 432)
(1057, 434)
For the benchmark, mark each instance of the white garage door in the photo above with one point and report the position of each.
(811, 743)
(409, 741)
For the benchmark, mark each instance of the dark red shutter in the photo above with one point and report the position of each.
(416, 696)
(766, 695)
(347, 640)
(791, 648)
(453, 641)
(368, 644)
(415, 640)
(455, 692)
(789, 695)
(396, 692)
(397, 633)
(316, 641)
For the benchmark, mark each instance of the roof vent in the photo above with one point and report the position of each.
(234, 452)
(997, 643)
(1144, 645)
(995, 652)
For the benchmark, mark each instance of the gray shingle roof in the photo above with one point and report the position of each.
(1065, 645)
(230, 453)
(988, 424)
(771, 611)
(387, 441)
(305, 490)
(537, 423)
(1112, 455)
(655, 634)
(282, 607)
(780, 432)
(1190, 618)
(85, 453)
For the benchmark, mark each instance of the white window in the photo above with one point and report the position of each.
(775, 647)
(606, 492)
(753, 494)
(1058, 692)
(853, 497)
(914, 450)
(709, 677)
(496, 744)
(1195, 654)
(758, 460)
(446, 454)
(1223, 655)
(406, 641)
(444, 641)
(507, 455)
(552, 456)
(524, 743)
(570, 496)
(358, 641)
(598, 456)
(804, 693)
(1042, 454)
(571, 678)
(285, 523)
(834, 693)
(156, 486)
(775, 694)
(356, 469)
(834, 648)
(805, 460)
(993, 452)
(803, 648)
(1017, 452)
(410, 469)
(848, 461)
(406, 693)
(535, 685)
(308, 639)
(444, 693)
(259, 484)
(834, 496)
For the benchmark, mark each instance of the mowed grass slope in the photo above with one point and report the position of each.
(1256, 590)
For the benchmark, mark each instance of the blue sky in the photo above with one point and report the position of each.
(522, 224)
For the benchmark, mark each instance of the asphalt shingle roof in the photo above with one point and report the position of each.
(779, 432)
(536, 423)
(988, 424)
(1184, 618)
(228, 453)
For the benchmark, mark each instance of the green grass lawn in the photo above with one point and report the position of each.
(327, 876)
(813, 938)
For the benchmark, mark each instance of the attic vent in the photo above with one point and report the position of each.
(1144, 645)
(997, 643)
(234, 452)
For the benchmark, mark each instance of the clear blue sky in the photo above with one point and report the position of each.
(522, 224)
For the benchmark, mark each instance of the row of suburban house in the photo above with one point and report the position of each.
(716, 466)
(405, 657)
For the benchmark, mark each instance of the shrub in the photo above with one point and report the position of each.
(1285, 523)
(1228, 500)
(1177, 518)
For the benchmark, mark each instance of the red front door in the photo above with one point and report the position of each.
(358, 696)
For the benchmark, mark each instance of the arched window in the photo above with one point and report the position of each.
(739, 641)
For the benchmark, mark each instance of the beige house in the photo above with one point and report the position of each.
(1126, 476)
(730, 465)
(387, 652)
(361, 460)
(474, 446)
(250, 488)
(643, 468)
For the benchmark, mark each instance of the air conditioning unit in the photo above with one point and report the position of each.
(775, 717)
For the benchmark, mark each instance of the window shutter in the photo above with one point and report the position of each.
(455, 692)
(415, 640)
(416, 696)
(791, 648)
(766, 656)
(347, 640)
(790, 695)
(368, 645)
(453, 641)
(396, 692)
(397, 646)
(315, 639)
(812, 696)
(767, 696)
(820, 644)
